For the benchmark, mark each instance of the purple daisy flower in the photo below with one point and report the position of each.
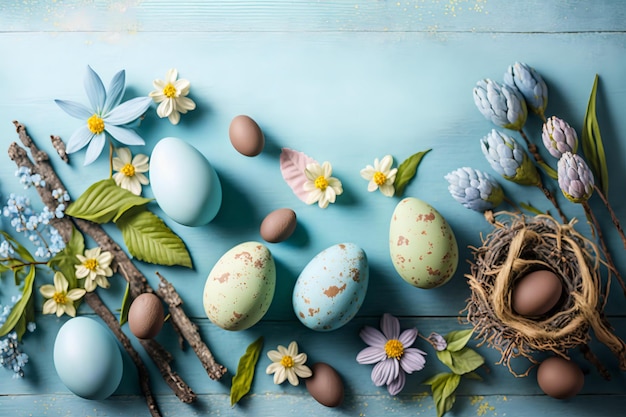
(391, 352)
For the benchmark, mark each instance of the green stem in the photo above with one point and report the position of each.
(605, 249)
(110, 159)
(16, 266)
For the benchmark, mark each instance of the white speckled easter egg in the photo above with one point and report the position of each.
(422, 245)
(240, 287)
(184, 183)
(331, 288)
(87, 358)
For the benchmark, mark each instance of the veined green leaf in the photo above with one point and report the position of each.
(593, 148)
(18, 309)
(242, 380)
(66, 260)
(465, 360)
(445, 357)
(407, 170)
(443, 386)
(103, 202)
(149, 239)
(126, 302)
(458, 339)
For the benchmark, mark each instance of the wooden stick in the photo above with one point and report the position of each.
(167, 292)
(95, 302)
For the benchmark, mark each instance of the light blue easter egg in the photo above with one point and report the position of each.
(331, 288)
(87, 358)
(184, 183)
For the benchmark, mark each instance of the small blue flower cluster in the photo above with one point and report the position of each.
(28, 179)
(6, 250)
(10, 356)
(36, 226)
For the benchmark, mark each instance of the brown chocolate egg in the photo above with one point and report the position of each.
(325, 385)
(560, 378)
(246, 136)
(145, 316)
(278, 225)
(536, 293)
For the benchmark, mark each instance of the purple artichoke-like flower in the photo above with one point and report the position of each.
(530, 84)
(475, 189)
(391, 352)
(559, 137)
(575, 178)
(509, 159)
(502, 104)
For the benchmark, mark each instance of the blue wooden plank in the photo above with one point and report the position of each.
(312, 16)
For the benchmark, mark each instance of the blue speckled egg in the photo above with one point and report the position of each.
(184, 183)
(87, 358)
(331, 288)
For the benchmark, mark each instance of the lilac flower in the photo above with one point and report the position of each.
(438, 341)
(391, 352)
(106, 116)
(559, 137)
(575, 178)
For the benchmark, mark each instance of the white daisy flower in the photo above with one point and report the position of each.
(59, 300)
(95, 268)
(129, 175)
(288, 364)
(171, 94)
(381, 176)
(322, 188)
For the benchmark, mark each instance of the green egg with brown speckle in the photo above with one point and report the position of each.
(422, 245)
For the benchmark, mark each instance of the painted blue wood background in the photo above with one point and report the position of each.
(343, 81)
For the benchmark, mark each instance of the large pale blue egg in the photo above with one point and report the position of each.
(87, 358)
(184, 183)
(331, 288)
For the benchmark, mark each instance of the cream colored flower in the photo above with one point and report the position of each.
(171, 94)
(381, 176)
(322, 188)
(288, 364)
(95, 267)
(59, 300)
(130, 170)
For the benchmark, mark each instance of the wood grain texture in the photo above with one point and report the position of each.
(341, 81)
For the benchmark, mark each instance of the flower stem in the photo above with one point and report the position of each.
(16, 266)
(614, 218)
(605, 249)
(552, 199)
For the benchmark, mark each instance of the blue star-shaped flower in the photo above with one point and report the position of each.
(106, 115)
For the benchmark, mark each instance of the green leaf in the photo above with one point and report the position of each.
(458, 339)
(103, 202)
(66, 260)
(445, 357)
(17, 311)
(126, 302)
(529, 207)
(593, 148)
(443, 387)
(149, 239)
(407, 170)
(465, 360)
(242, 380)
(23, 253)
(474, 376)
(551, 172)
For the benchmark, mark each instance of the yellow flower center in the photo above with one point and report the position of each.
(379, 178)
(394, 349)
(287, 361)
(169, 90)
(321, 182)
(59, 298)
(128, 170)
(91, 264)
(95, 124)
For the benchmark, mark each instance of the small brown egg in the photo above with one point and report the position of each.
(145, 316)
(560, 378)
(325, 385)
(536, 293)
(246, 136)
(278, 225)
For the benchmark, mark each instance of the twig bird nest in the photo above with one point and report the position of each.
(523, 245)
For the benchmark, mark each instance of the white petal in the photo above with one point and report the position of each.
(292, 377)
(95, 148)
